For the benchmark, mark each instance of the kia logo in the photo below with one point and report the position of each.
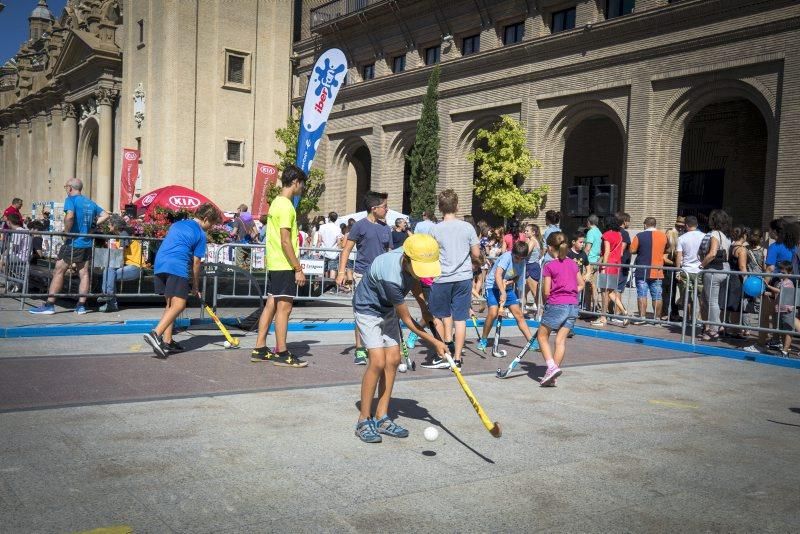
(180, 201)
(267, 170)
(130, 156)
(148, 199)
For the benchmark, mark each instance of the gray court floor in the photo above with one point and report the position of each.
(681, 445)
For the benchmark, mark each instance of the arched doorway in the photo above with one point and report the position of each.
(723, 162)
(87, 157)
(407, 182)
(593, 175)
(360, 173)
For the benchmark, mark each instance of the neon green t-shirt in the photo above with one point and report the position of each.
(281, 215)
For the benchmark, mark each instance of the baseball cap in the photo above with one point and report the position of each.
(423, 251)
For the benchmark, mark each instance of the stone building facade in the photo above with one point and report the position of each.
(199, 87)
(654, 107)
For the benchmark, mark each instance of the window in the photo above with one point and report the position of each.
(237, 70)
(617, 8)
(368, 71)
(563, 20)
(233, 151)
(141, 33)
(513, 33)
(432, 55)
(471, 45)
(399, 64)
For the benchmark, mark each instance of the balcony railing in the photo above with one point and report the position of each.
(336, 9)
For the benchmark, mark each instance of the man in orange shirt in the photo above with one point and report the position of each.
(650, 246)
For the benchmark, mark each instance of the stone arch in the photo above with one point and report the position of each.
(685, 104)
(352, 163)
(396, 169)
(570, 119)
(87, 157)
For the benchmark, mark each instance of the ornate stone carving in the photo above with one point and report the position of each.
(106, 96)
(88, 108)
(138, 105)
(68, 111)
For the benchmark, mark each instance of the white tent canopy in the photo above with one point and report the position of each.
(391, 216)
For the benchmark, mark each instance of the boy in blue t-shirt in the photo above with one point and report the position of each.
(500, 289)
(184, 245)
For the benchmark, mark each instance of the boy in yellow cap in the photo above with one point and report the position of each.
(377, 304)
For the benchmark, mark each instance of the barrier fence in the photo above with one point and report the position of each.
(694, 303)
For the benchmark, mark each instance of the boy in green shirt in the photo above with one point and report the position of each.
(285, 273)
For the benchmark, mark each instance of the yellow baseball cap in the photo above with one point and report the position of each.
(423, 251)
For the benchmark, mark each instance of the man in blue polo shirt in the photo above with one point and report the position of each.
(80, 215)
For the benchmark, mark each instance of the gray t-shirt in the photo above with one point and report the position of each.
(455, 237)
(424, 227)
(384, 285)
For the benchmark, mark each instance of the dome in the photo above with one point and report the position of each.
(42, 11)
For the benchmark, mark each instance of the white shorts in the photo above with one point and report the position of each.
(378, 332)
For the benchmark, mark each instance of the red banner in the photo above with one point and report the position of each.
(130, 172)
(266, 175)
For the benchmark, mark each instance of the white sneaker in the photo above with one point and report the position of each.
(752, 349)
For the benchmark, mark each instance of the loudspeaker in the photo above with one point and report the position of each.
(578, 201)
(605, 199)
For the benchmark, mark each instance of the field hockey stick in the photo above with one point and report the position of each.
(233, 341)
(493, 428)
(498, 326)
(515, 361)
(404, 349)
(214, 270)
(475, 324)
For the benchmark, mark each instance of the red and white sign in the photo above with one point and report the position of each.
(130, 172)
(174, 197)
(266, 176)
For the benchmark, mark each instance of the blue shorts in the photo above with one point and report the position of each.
(493, 297)
(557, 316)
(653, 285)
(534, 270)
(623, 280)
(451, 299)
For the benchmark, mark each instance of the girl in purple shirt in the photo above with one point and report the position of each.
(561, 282)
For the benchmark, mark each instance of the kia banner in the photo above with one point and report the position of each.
(130, 172)
(266, 175)
(323, 86)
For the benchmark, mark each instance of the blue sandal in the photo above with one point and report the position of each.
(366, 431)
(387, 426)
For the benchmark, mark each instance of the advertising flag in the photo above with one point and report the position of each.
(323, 86)
(130, 172)
(266, 175)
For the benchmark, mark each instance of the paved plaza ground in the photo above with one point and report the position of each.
(96, 433)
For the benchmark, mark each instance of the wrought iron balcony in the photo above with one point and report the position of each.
(338, 9)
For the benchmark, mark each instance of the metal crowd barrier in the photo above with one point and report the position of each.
(29, 259)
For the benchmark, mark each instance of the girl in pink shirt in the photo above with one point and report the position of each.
(561, 282)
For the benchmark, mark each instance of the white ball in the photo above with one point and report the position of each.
(431, 433)
(402, 368)
(227, 344)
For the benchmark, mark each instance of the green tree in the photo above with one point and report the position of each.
(424, 157)
(315, 185)
(502, 168)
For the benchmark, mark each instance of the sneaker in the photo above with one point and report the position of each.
(261, 354)
(287, 359)
(775, 345)
(174, 347)
(552, 384)
(384, 425)
(751, 349)
(44, 309)
(620, 322)
(361, 357)
(535, 345)
(785, 353)
(637, 321)
(109, 307)
(436, 363)
(482, 345)
(552, 372)
(411, 340)
(366, 431)
(81, 310)
(157, 344)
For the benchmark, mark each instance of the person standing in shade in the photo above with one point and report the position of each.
(184, 245)
(593, 243)
(400, 232)
(285, 273)
(650, 246)
(80, 215)
(425, 226)
(373, 238)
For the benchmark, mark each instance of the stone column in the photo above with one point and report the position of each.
(70, 140)
(105, 148)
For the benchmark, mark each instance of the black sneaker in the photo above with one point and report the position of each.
(458, 363)
(287, 359)
(157, 344)
(261, 354)
(174, 347)
(775, 345)
(436, 363)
